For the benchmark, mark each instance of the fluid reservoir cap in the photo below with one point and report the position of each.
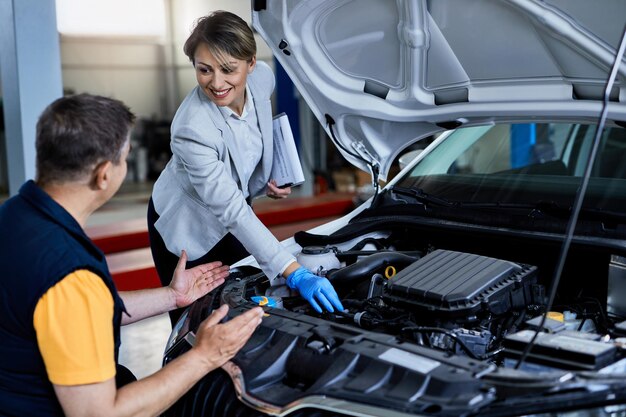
(318, 259)
(267, 301)
(556, 315)
(315, 250)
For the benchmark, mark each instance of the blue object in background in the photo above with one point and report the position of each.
(523, 138)
(287, 101)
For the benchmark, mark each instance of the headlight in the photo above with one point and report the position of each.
(177, 330)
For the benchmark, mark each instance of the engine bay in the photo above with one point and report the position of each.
(434, 323)
(482, 307)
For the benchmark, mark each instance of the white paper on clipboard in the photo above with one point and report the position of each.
(286, 167)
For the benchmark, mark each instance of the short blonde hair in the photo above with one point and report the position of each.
(224, 33)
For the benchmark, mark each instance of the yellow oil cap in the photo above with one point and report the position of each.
(390, 271)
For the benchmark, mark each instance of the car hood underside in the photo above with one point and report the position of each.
(384, 74)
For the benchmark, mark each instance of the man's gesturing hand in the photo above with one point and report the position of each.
(190, 284)
(217, 343)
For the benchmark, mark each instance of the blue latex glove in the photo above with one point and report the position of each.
(314, 289)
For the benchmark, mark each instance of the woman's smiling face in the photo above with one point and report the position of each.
(224, 83)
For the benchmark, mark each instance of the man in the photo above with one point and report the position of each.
(60, 313)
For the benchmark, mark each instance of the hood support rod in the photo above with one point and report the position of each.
(580, 195)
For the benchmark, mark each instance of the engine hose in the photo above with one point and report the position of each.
(365, 268)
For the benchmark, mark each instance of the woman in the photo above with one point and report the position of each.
(221, 139)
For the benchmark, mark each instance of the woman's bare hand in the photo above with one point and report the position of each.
(277, 193)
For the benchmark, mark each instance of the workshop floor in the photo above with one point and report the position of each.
(143, 344)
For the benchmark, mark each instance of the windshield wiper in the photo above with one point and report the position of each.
(422, 197)
(533, 210)
(550, 208)
(540, 208)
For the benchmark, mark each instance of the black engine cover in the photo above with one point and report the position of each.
(461, 285)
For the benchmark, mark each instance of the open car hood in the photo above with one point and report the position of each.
(386, 74)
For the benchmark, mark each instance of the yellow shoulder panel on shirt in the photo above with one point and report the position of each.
(74, 325)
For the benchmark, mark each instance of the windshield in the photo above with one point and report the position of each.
(524, 164)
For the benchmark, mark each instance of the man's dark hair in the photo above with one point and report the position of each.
(76, 133)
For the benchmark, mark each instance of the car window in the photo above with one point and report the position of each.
(498, 148)
(562, 149)
(521, 163)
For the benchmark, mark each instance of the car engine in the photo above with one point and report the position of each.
(433, 323)
(462, 303)
(450, 300)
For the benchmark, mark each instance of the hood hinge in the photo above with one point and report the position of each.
(361, 153)
(372, 163)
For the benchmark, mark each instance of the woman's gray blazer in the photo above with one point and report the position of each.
(198, 195)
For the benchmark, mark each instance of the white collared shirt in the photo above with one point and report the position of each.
(248, 141)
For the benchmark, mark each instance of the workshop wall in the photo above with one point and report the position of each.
(151, 75)
(128, 69)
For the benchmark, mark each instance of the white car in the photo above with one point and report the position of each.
(489, 276)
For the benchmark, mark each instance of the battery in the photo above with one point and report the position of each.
(560, 351)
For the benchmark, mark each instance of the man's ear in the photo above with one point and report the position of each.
(102, 175)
